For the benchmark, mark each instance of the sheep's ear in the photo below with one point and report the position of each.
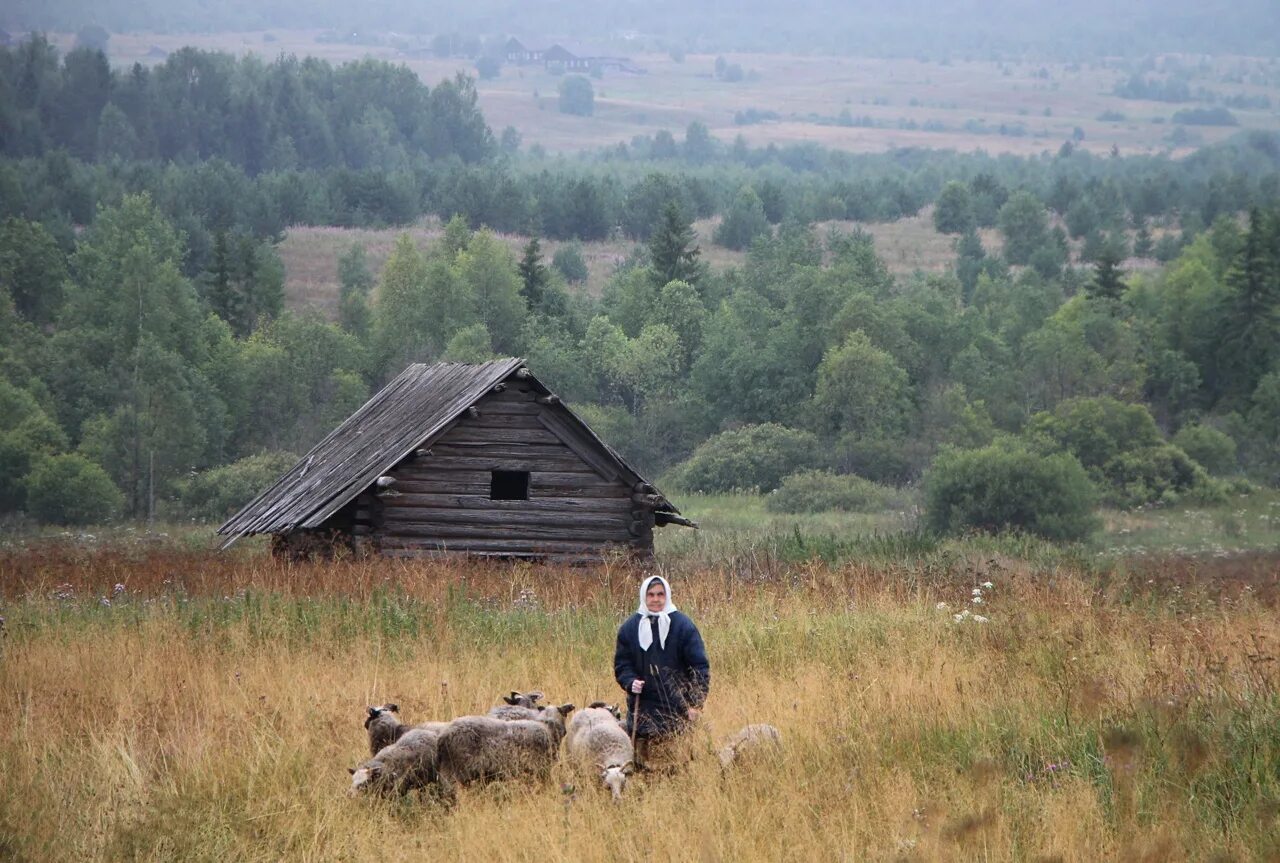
(565, 709)
(628, 768)
(394, 708)
(351, 770)
(595, 704)
(373, 712)
(513, 698)
(535, 696)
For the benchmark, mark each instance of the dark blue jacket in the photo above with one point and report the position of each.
(676, 677)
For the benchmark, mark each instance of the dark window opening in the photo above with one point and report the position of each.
(509, 485)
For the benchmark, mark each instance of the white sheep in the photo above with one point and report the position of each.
(482, 748)
(752, 738)
(596, 737)
(410, 762)
(519, 705)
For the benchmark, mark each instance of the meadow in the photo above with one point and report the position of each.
(853, 104)
(939, 700)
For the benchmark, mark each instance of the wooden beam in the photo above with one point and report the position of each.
(587, 450)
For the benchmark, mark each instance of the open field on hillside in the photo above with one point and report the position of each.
(161, 701)
(906, 102)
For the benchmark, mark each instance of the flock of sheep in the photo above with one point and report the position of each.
(518, 738)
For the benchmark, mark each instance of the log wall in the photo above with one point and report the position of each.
(579, 507)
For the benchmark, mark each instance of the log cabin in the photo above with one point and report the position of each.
(457, 458)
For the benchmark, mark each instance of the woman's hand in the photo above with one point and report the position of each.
(637, 685)
(693, 713)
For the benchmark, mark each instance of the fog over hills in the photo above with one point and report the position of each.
(957, 28)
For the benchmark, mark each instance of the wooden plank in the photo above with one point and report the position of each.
(541, 464)
(444, 530)
(538, 479)
(446, 484)
(461, 433)
(482, 502)
(500, 450)
(397, 518)
(515, 546)
(586, 449)
(496, 420)
(526, 406)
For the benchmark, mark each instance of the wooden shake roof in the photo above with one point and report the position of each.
(406, 414)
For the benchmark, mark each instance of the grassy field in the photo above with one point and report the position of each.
(161, 702)
(964, 102)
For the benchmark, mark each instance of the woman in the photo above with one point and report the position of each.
(661, 663)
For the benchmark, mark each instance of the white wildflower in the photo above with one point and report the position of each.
(977, 591)
(988, 585)
(942, 606)
(978, 618)
(977, 600)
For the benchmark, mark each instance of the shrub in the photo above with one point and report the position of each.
(577, 96)
(754, 457)
(999, 488)
(1096, 429)
(216, 494)
(70, 489)
(889, 461)
(1158, 474)
(568, 260)
(820, 491)
(1212, 449)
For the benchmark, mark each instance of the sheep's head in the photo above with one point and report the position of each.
(375, 712)
(363, 777)
(612, 708)
(523, 699)
(554, 715)
(615, 776)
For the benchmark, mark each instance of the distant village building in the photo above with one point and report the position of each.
(560, 58)
(517, 53)
(455, 458)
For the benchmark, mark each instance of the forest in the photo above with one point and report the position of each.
(150, 366)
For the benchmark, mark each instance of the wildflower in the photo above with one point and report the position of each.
(977, 591)
(978, 618)
(977, 600)
(942, 606)
(988, 585)
(117, 590)
(104, 602)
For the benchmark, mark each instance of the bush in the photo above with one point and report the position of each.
(999, 488)
(821, 491)
(1158, 474)
(577, 96)
(886, 461)
(1212, 449)
(754, 457)
(568, 260)
(70, 489)
(217, 494)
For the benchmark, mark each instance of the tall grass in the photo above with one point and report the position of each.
(209, 707)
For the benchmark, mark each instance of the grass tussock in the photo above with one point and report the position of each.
(182, 705)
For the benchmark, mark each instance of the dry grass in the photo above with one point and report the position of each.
(310, 256)
(670, 95)
(210, 710)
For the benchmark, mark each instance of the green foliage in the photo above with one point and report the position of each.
(822, 491)
(753, 457)
(1157, 474)
(215, 495)
(568, 261)
(744, 222)
(673, 248)
(1009, 488)
(32, 268)
(953, 214)
(1208, 447)
(355, 286)
(469, 345)
(1025, 227)
(577, 96)
(861, 389)
(70, 489)
(1096, 430)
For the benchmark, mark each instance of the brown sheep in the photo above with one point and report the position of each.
(482, 748)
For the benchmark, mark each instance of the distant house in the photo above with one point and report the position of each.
(585, 60)
(454, 458)
(561, 57)
(516, 52)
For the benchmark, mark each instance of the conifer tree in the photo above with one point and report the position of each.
(673, 248)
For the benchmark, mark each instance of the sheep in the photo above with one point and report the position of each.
(384, 727)
(596, 737)
(752, 738)
(482, 748)
(519, 705)
(408, 763)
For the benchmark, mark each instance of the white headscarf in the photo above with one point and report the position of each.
(664, 616)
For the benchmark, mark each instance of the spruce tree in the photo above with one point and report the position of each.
(534, 277)
(673, 249)
(1252, 313)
